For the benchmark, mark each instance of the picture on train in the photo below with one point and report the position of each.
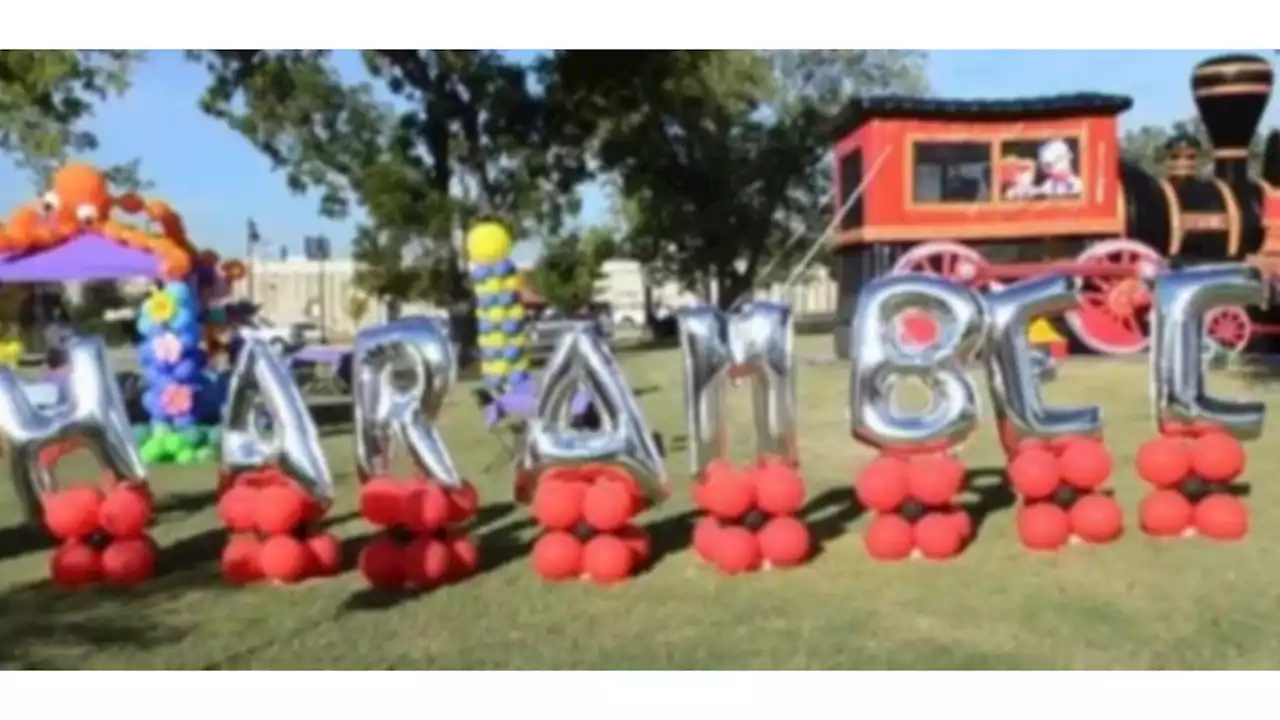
(1035, 169)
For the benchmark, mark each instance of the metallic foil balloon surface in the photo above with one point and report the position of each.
(1178, 390)
(755, 343)
(92, 410)
(260, 381)
(1016, 370)
(883, 357)
(581, 359)
(418, 350)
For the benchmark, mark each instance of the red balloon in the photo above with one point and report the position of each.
(428, 507)
(1217, 457)
(466, 557)
(73, 513)
(1222, 517)
(728, 495)
(963, 523)
(735, 550)
(427, 562)
(938, 537)
(279, 509)
(284, 559)
(326, 554)
(607, 559)
(889, 537)
(463, 503)
(1096, 519)
(881, 485)
(1165, 513)
(557, 556)
(607, 505)
(935, 479)
(1043, 526)
(784, 541)
(779, 488)
(75, 564)
(236, 508)
(1163, 461)
(128, 561)
(557, 504)
(240, 560)
(382, 562)
(639, 541)
(706, 537)
(1085, 464)
(126, 512)
(383, 501)
(1034, 473)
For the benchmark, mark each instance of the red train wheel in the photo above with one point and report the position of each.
(1229, 328)
(950, 260)
(1111, 317)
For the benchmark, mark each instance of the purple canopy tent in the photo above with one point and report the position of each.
(84, 257)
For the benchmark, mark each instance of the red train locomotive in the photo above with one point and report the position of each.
(991, 191)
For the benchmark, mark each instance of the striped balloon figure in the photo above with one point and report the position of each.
(499, 312)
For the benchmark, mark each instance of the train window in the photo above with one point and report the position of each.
(1040, 169)
(952, 172)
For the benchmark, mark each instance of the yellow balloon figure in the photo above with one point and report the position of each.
(488, 243)
(489, 249)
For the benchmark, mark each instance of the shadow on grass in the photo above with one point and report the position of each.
(21, 540)
(989, 491)
(183, 504)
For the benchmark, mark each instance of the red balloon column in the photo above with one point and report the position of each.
(274, 531)
(913, 497)
(424, 543)
(751, 518)
(103, 533)
(1062, 488)
(1192, 471)
(587, 518)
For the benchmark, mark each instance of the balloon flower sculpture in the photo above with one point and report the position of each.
(182, 400)
(499, 313)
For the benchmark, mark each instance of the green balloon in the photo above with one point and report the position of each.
(205, 454)
(185, 456)
(194, 436)
(173, 444)
(151, 453)
(160, 429)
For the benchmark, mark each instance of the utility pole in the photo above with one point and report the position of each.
(318, 250)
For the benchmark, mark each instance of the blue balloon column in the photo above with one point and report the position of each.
(182, 399)
(500, 316)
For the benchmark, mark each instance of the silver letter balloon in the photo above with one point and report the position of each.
(755, 343)
(883, 358)
(260, 381)
(581, 360)
(91, 409)
(402, 374)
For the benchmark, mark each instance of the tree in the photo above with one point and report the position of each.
(429, 141)
(46, 95)
(1145, 146)
(722, 154)
(568, 271)
(357, 307)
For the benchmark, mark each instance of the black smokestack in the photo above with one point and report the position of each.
(1231, 92)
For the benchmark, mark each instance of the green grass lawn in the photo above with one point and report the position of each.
(1138, 603)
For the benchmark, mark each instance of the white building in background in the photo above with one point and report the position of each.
(299, 290)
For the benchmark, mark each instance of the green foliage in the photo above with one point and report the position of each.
(719, 156)
(569, 268)
(46, 95)
(1145, 146)
(428, 142)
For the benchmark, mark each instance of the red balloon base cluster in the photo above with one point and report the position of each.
(914, 498)
(273, 536)
(1062, 486)
(587, 515)
(103, 535)
(751, 521)
(1192, 472)
(424, 543)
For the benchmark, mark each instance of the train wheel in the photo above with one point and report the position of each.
(1229, 328)
(1111, 317)
(951, 260)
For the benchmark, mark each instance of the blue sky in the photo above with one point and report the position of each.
(217, 180)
